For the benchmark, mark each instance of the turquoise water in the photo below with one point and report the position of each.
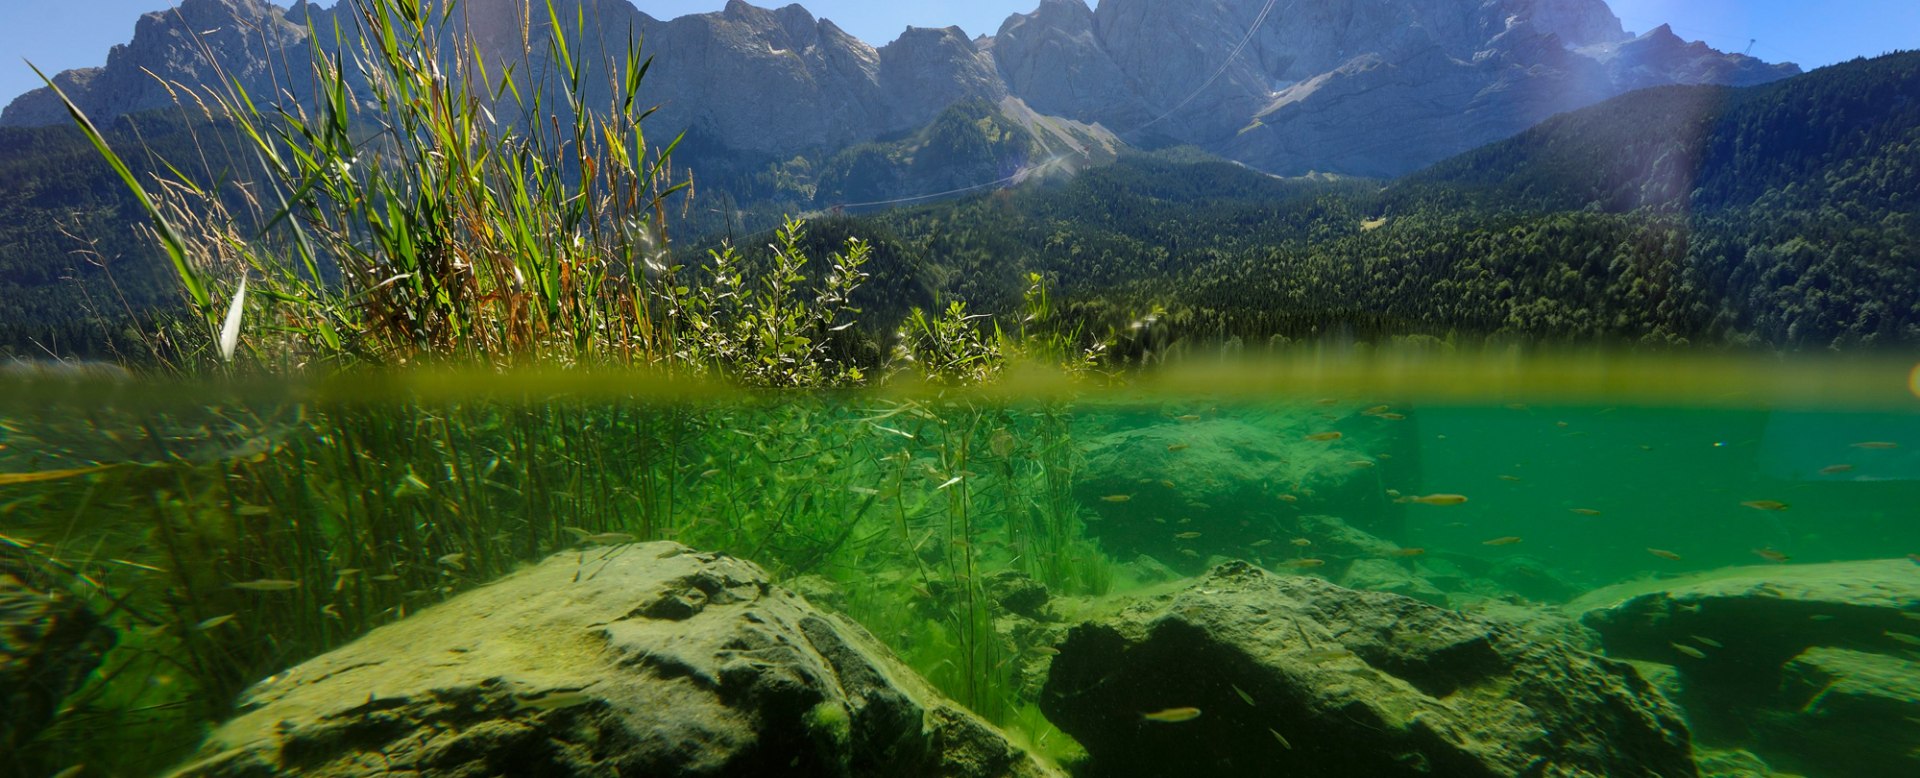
(223, 541)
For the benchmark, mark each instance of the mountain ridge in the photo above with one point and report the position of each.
(1360, 87)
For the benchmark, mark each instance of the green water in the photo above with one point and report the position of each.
(227, 535)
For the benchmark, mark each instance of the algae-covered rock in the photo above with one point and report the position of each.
(646, 659)
(1850, 708)
(49, 642)
(1292, 675)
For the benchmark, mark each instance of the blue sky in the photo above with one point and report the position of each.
(61, 34)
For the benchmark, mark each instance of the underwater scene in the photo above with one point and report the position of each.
(1403, 570)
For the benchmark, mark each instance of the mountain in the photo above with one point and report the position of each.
(1358, 87)
(1847, 133)
(1779, 216)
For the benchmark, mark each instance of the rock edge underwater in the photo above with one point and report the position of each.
(646, 659)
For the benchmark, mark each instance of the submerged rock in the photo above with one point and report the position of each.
(1292, 675)
(1805, 655)
(1213, 483)
(1850, 708)
(49, 643)
(1380, 575)
(646, 659)
(1761, 616)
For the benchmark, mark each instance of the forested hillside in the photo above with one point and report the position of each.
(76, 271)
(1785, 215)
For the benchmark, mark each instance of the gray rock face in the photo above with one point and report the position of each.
(1296, 676)
(49, 643)
(173, 44)
(647, 659)
(1368, 87)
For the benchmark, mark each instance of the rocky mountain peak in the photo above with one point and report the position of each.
(1375, 87)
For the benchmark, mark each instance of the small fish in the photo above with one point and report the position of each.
(1301, 542)
(332, 611)
(1506, 541)
(949, 482)
(1407, 552)
(1821, 617)
(388, 578)
(1391, 416)
(1836, 469)
(215, 622)
(1708, 642)
(1771, 555)
(601, 538)
(1303, 563)
(710, 473)
(1244, 696)
(252, 510)
(268, 585)
(1117, 498)
(1664, 554)
(1435, 499)
(1168, 484)
(1289, 498)
(1360, 463)
(8, 479)
(1374, 411)
(553, 700)
(1513, 478)
(1322, 437)
(1187, 419)
(1877, 445)
(1585, 511)
(1281, 739)
(1322, 656)
(1765, 505)
(1326, 401)
(1561, 424)
(1259, 543)
(1910, 615)
(1179, 446)
(455, 561)
(1190, 552)
(1172, 715)
(1186, 535)
(1902, 637)
(1689, 650)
